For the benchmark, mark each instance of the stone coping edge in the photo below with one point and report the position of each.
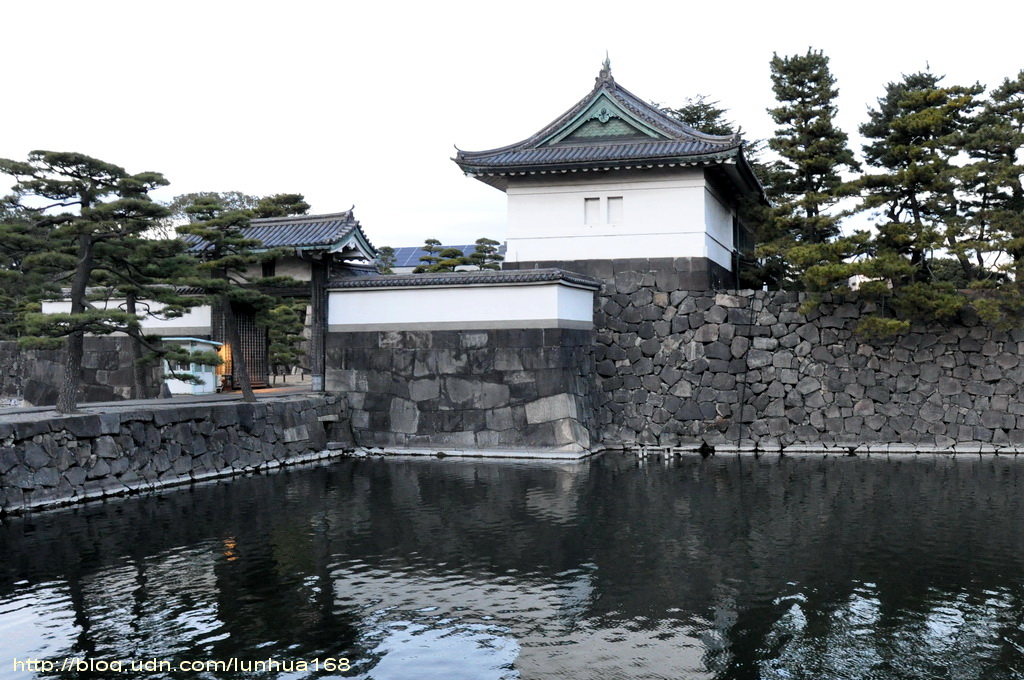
(972, 448)
(118, 490)
(440, 452)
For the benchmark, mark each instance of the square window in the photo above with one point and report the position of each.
(591, 210)
(615, 210)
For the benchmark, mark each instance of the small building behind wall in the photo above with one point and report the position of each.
(206, 374)
(466, 362)
(317, 248)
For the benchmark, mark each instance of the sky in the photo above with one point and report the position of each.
(363, 103)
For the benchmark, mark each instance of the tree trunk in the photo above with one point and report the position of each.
(140, 387)
(238, 367)
(318, 327)
(67, 401)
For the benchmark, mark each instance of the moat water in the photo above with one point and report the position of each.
(423, 569)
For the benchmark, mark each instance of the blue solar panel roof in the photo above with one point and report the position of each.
(410, 256)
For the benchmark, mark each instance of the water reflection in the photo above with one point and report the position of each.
(726, 568)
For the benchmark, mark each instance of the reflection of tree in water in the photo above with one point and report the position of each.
(205, 574)
(795, 539)
(801, 568)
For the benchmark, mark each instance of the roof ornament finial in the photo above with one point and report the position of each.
(605, 76)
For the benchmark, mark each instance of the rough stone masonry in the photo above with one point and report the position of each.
(50, 459)
(678, 368)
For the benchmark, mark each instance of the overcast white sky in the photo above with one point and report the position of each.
(363, 103)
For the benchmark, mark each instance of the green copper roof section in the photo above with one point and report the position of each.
(603, 118)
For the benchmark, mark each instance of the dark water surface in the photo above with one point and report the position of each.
(427, 569)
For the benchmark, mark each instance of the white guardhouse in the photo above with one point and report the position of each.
(614, 178)
(205, 373)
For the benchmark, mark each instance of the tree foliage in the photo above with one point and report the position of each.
(22, 283)
(484, 256)
(805, 182)
(230, 200)
(81, 218)
(281, 205)
(914, 191)
(432, 248)
(702, 115)
(284, 336)
(228, 258)
(385, 260)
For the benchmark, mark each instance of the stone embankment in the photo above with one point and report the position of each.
(498, 390)
(677, 368)
(33, 376)
(47, 459)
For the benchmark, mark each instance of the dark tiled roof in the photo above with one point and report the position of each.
(466, 279)
(307, 232)
(648, 137)
(632, 151)
(302, 230)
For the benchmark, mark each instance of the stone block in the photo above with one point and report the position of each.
(547, 409)
(757, 358)
(26, 429)
(706, 333)
(106, 447)
(499, 419)
(627, 281)
(424, 389)
(650, 347)
(865, 407)
(473, 340)
(807, 385)
(34, 456)
(809, 333)
(718, 350)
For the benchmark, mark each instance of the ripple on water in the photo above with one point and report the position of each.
(722, 568)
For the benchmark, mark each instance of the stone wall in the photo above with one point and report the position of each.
(34, 376)
(679, 368)
(47, 459)
(445, 390)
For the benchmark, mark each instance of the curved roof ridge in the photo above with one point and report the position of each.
(643, 111)
(294, 219)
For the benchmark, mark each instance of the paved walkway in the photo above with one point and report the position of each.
(22, 413)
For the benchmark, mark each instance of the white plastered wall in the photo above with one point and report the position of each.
(196, 321)
(541, 305)
(666, 214)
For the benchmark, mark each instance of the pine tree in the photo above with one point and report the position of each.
(914, 136)
(806, 182)
(23, 283)
(385, 260)
(281, 205)
(144, 272)
(450, 260)
(702, 115)
(230, 200)
(992, 202)
(227, 257)
(485, 255)
(284, 335)
(82, 204)
(431, 247)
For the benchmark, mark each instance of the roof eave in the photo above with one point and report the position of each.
(646, 163)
